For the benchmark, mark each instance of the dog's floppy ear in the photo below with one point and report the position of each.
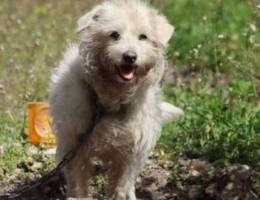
(88, 19)
(164, 29)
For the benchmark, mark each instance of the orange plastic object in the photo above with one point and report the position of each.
(40, 128)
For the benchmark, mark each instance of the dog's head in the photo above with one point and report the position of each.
(126, 40)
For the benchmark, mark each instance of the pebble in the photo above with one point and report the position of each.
(1, 150)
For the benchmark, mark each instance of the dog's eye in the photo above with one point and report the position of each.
(115, 35)
(143, 37)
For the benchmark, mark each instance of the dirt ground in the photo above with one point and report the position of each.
(156, 183)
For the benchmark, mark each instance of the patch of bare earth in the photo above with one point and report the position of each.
(199, 181)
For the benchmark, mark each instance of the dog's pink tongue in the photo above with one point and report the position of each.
(127, 76)
(126, 73)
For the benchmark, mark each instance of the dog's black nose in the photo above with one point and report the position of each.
(129, 57)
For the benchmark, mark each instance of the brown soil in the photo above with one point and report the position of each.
(156, 183)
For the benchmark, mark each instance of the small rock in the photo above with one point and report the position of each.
(168, 164)
(32, 150)
(30, 161)
(50, 152)
(184, 162)
(230, 186)
(244, 172)
(138, 180)
(36, 166)
(198, 165)
(1, 150)
(195, 173)
(245, 167)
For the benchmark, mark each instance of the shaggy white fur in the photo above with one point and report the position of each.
(121, 60)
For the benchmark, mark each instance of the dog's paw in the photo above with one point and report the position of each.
(170, 112)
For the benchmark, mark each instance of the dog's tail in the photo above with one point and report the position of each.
(170, 112)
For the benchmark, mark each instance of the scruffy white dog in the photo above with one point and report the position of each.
(119, 63)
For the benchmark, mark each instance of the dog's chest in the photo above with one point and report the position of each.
(135, 133)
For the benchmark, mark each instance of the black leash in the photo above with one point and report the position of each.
(56, 172)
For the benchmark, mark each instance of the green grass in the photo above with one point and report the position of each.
(215, 50)
(217, 35)
(11, 137)
(217, 129)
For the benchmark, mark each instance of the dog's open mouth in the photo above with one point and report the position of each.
(126, 72)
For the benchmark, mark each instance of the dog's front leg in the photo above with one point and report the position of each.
(78, 173)
(124, 189)
(122, 177)
(131, 192)
(77, 177)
